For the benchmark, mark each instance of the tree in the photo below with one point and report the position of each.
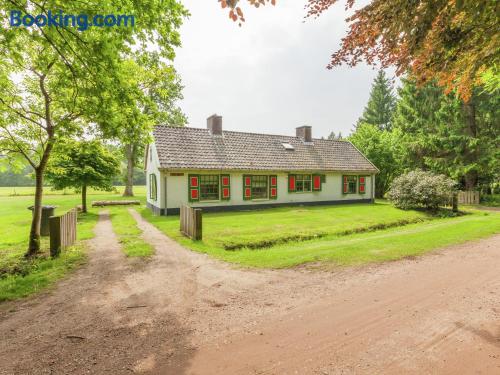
(56, 80)
(332, 136)
(380, 107)
(81, 165)
(454, 42)
(382, 148)
(159, 90)
(447, 135)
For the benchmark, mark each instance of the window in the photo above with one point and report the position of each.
(303, 182)
(350, 184)
(209, 187)
(152, 187)
(259, 187)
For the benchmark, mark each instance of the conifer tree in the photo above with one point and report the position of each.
(380, 107)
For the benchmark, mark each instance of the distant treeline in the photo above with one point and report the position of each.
(25, 178)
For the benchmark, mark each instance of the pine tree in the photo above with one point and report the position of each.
(444, 134)
(380, 107)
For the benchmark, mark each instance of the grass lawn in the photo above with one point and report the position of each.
(332, 224)
(128, 233)
(18, 277)
(267, 227)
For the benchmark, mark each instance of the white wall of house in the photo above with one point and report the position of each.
(176, 192)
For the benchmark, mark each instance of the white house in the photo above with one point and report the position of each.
(221, 170)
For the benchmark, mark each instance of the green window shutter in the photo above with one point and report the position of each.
(292, 183)
(193, 188)
(247, 187)
(273, 187)
(225, 184)
(316, 182)
(362, 184)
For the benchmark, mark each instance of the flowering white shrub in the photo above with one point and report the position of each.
(421, 189)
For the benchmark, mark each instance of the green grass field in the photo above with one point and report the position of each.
(20, 277)
(128, 233)
(344, 234)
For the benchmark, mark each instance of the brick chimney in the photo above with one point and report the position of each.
(214, 124)
(304, 132)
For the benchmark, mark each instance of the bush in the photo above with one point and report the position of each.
(418, 188)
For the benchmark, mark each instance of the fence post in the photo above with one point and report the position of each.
(197, 235)
(55, 235)
(454, 202)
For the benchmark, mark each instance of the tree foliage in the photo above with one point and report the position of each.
(380, 108)
(453, 42)
(149, 98)
(57, 80)
(234, 11)
(382, 148)
(444, 134)
(81, 165)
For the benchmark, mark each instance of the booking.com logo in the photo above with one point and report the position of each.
(58, 19)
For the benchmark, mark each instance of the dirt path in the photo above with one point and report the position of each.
(184, 313)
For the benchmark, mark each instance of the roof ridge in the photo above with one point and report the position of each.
(250, 133)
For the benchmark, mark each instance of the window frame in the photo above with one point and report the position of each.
(214, 183)
(301, 181)
(265, 189)
(153, 187)
(350, 180)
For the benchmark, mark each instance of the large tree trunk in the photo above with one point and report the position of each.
(34, 240)
(130, 151)
(471, 156)
(84, 198)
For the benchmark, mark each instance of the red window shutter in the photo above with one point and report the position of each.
(345, 189)
(291, 182)
(247, 187)
(362, 183)
(193, 188)
(273, 187)
(225, 182)
(194, 181)
(317, 182)
(194, 194)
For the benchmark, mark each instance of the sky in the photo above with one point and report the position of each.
(269, 76)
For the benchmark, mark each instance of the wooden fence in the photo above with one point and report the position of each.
(468, 197)
(62, 231)
(191, 219)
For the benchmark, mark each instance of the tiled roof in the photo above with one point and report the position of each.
(195, 148)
